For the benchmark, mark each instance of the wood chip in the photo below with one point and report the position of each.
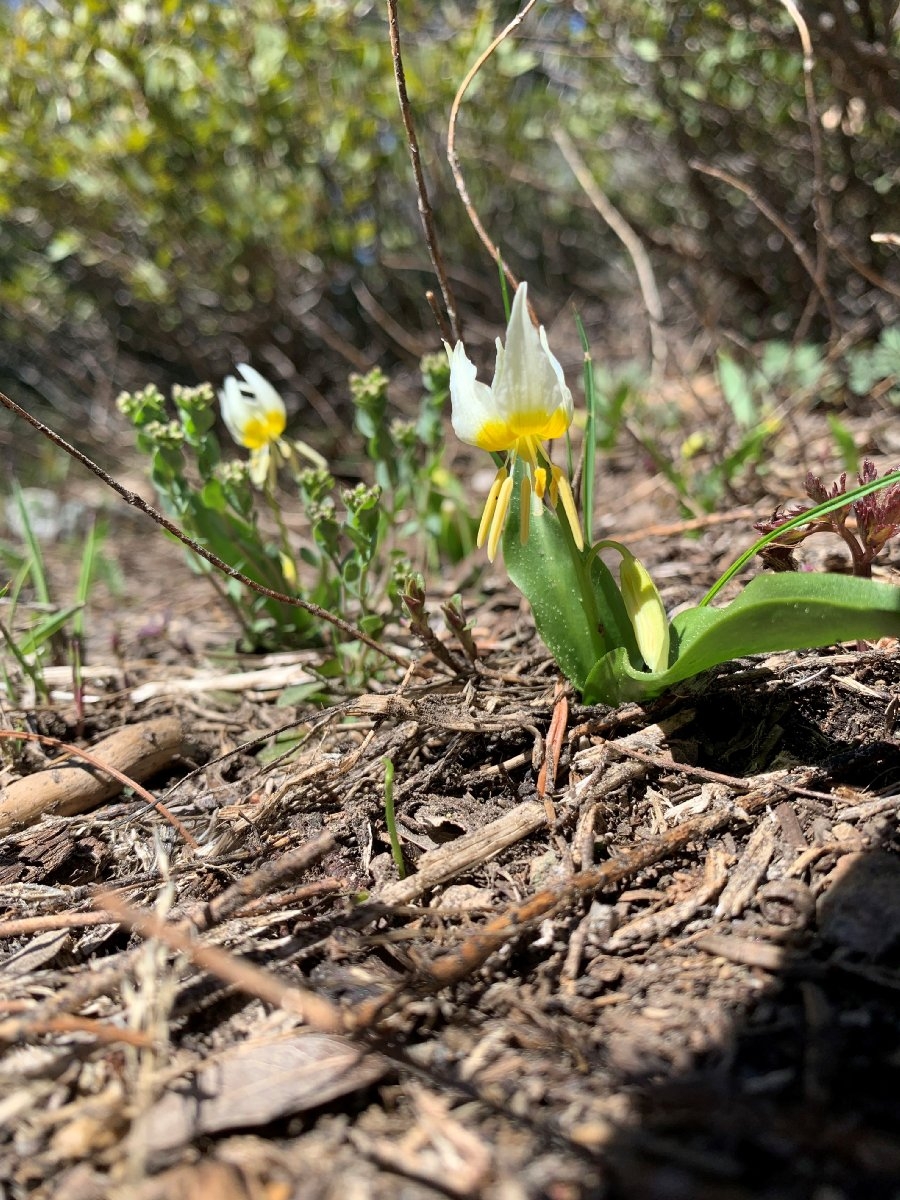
(750, 870)
(255, 1083)
(651, 926)
(457, 857)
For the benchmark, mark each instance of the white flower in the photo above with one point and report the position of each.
(527, 404)
(252, 410)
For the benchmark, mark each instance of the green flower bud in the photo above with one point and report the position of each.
(646, 612)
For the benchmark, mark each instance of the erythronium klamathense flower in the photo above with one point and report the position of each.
(255, 416)
(527, 405)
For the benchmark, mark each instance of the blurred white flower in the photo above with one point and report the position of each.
(252, 410)
(254, 415)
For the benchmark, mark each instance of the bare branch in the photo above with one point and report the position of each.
(425, 210)
(820, 193)
(453, 157)
(780, 224)
(629, 239)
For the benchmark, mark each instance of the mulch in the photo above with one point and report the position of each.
(643, 952)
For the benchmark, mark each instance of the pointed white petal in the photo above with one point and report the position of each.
(260, 390)
(529, 387)
(471, 404)
(231, 402)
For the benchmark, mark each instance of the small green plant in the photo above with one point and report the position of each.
(876, 518)
(41, 631)
(614, 641)
(390, 818)
(355, 541)
(877, 367)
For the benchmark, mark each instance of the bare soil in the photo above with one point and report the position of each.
(651, 952)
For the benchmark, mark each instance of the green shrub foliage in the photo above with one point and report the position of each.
(185, 185)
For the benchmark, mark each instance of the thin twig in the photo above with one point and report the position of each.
(781, 225)
(138, 502)
(453, 157)
(631, 242)
(425, 210)
(23, 926)
(259, 882)
(820, 204)
(312, 1009)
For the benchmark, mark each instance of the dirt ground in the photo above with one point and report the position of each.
(651, 952)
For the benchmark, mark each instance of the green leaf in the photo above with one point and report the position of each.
(773, 612)
(738, 390)
(577, 609)
(45, 629)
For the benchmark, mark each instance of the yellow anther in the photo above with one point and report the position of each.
(489, 505)
(540, 482)
(499, 519)
(564, 490)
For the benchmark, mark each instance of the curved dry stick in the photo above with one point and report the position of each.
(314, 1010)
(823, 221)
(425, 210)
(629, 239)
(453, 157)
(106, 769)
(140, 503)
(782, 226)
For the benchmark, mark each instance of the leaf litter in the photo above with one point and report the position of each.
(651, 951)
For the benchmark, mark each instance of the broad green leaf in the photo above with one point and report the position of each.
(774, 612)
(579, 619)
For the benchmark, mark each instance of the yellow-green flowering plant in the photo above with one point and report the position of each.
(614, 641)
(349, 549)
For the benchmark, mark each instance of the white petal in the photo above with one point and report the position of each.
(529, 379)
(261, 390)
(471, 402)
(234, 409)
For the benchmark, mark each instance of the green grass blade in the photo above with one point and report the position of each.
(589, 469)
(38, 575)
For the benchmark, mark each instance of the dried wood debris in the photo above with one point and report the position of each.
(630, 949)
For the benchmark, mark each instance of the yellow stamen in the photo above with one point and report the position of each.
(527, 447)
(524, 510)
(489, 505)
(260, 431)
(540, 482)
(564, 489)
(499, 520)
